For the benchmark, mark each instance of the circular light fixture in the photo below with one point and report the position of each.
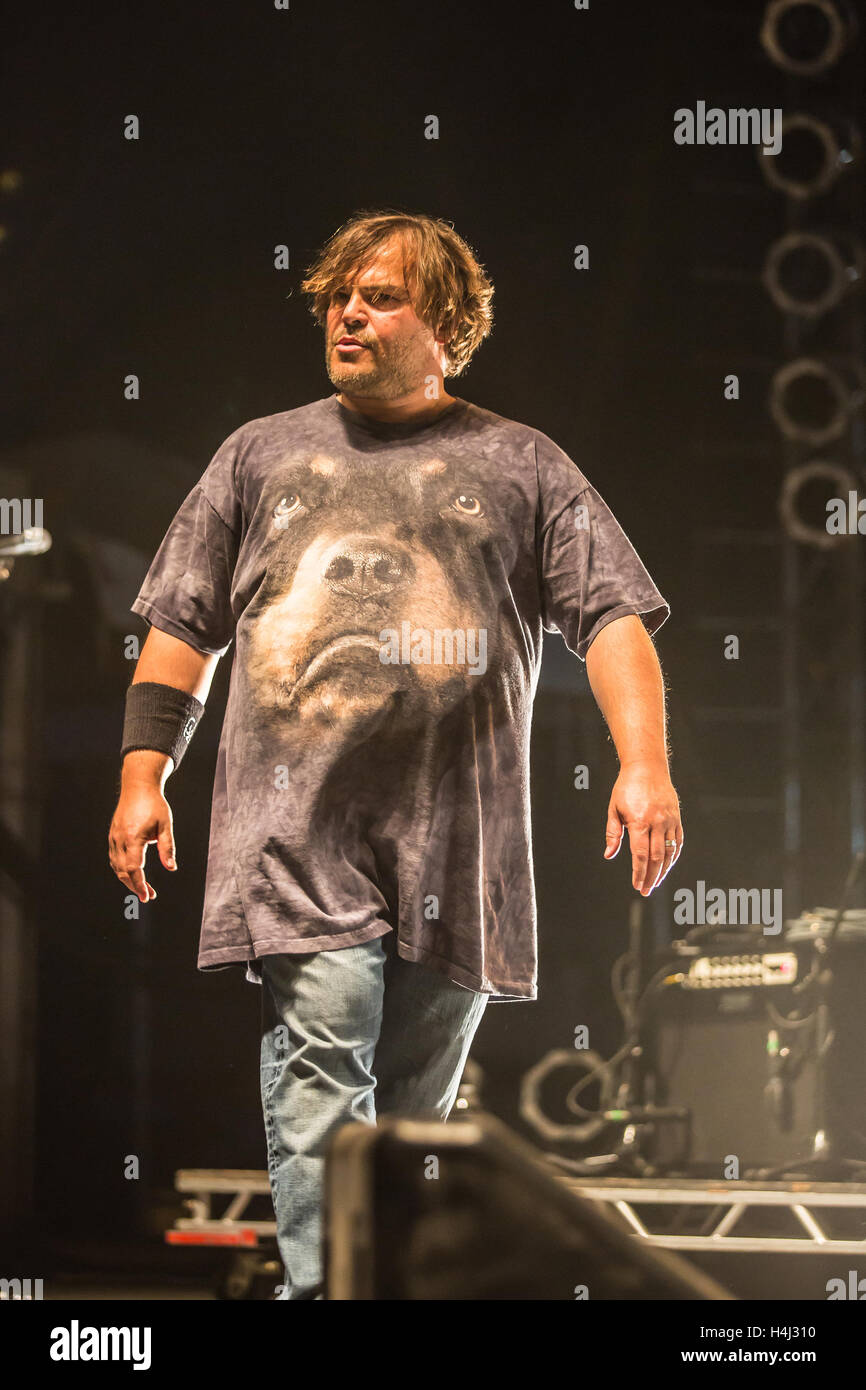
(808, 273)
(812, 156)
(798, 478)
(805, 37)
(825, 400)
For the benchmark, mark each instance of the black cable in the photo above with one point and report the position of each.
(605, 1068)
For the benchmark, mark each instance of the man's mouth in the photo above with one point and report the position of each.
(350, 345)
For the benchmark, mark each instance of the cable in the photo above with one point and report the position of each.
(656, 981)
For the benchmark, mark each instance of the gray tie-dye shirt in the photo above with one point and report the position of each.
(386, 587)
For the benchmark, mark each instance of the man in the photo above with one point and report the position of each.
(385, 560)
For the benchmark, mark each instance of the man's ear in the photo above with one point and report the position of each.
(442, 338)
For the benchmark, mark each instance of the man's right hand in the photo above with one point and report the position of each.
(142, 817)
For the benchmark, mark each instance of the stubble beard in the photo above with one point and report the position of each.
(387, 375)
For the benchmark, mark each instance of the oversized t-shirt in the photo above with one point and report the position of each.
(386, 587)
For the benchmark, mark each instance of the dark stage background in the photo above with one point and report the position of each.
(261, 127)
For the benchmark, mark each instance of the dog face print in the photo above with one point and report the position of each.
(377, 593)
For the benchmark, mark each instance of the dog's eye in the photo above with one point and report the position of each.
(287, 506)
(467, 504)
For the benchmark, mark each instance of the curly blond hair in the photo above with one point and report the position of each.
(449, 288)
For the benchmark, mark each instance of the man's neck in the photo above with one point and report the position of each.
(407, 409)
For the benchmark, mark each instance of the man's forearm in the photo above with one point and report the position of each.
(167, 661)
(626, 680)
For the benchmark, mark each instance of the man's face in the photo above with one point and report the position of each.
(396, 350)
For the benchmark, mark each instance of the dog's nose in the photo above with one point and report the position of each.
(364, 571)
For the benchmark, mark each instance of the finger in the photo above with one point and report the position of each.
(670, 850)
(131, 863)
(613, 834)
(656, 859)
(676, 833)
(135, 880)
(141, 885)
(165, 845)
(639, 839)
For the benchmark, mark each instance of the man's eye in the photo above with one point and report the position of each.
(287, 506)
(467, 504)
(371, 296)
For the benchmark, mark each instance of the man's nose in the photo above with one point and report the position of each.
(354, 308)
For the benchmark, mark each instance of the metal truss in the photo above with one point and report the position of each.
(726, 1207)
(720, 1209)
(233, 1227)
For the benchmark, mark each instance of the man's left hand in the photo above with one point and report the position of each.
(643, 801)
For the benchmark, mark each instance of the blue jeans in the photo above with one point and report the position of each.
(349, 1034)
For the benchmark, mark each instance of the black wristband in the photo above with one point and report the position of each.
(159, 717)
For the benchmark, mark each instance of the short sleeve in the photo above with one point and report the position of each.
(589, 571)
(187, 590)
